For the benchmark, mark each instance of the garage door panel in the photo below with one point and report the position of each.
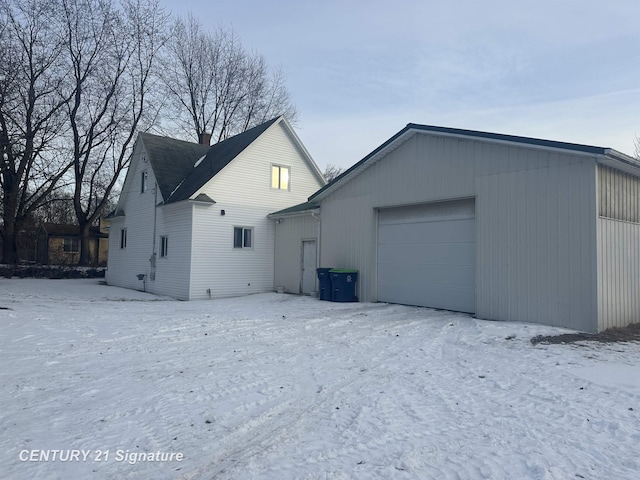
(456, 299)
(428, 275)
(435, 254)
(459, 209)
(428, 232)
(427, 255)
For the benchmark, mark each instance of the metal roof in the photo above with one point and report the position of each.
(412, 128)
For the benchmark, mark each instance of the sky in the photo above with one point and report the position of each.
(359, 71)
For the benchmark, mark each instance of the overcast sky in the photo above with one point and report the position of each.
(359, 71)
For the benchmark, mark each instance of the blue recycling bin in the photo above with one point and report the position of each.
(324, 281)
(343, 285)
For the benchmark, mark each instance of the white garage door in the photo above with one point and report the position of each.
(427, 255)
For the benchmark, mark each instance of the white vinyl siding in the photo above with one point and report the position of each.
(124, 264)
(243, 190)
(172, 272)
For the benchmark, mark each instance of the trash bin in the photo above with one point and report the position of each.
(343, 285)
(324, 280)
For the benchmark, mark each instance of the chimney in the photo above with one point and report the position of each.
(204, 138)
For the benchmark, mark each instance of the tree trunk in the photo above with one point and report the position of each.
(85, 258)
(9, 243)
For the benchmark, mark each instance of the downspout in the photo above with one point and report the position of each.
(152, 259)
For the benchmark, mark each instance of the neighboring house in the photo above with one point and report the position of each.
(59, 244)
(191, 221)
(503, 227)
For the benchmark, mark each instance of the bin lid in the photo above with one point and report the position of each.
(342, 270)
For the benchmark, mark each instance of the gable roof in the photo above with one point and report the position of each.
(172, 160)
(610, 155)
(217, 157)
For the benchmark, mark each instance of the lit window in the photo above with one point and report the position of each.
(164, 245)
(242, 237)
(123, 238)
(71, 245)
(143, 183)
(280, 177)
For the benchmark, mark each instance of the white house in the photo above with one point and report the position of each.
(503, 227)
(191, 221)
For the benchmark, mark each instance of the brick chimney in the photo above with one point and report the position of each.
(204, 138)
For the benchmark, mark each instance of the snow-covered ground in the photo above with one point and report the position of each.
(279, 387)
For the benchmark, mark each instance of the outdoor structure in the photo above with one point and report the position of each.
(59, 244)
(503, 227)
(191, 221)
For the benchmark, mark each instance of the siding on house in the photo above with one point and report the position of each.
(618, 243)
(539, 201)
(172, 272)
(290, 233)
(125, 264)
(243, 190)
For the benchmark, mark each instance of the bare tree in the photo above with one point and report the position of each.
(217, 86)
(112, 49)
(331, 172)
(32, 71)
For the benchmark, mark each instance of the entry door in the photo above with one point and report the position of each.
(308, 266)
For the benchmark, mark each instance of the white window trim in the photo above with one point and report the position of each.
(164, 246)
(144, 182)
(280, 167)
(253, 239)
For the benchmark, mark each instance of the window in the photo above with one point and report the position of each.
(143, 183)
(164, 245)
(71, 245)
(280, 177)
(242, 237)
(123, 238)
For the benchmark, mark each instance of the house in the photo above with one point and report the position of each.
(192, 219)
(59, 244)
(499, 226)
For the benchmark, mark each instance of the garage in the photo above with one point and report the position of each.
(426, 255)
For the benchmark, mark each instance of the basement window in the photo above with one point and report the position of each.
(164, 246)
(280, 176)
(71, 245)
(242, 237)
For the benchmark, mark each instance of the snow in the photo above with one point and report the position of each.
(275, 386)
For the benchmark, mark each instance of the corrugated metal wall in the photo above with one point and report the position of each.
(540, 202)
(536, 245)
(618, 194)
(618, 248)
(290, 233)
